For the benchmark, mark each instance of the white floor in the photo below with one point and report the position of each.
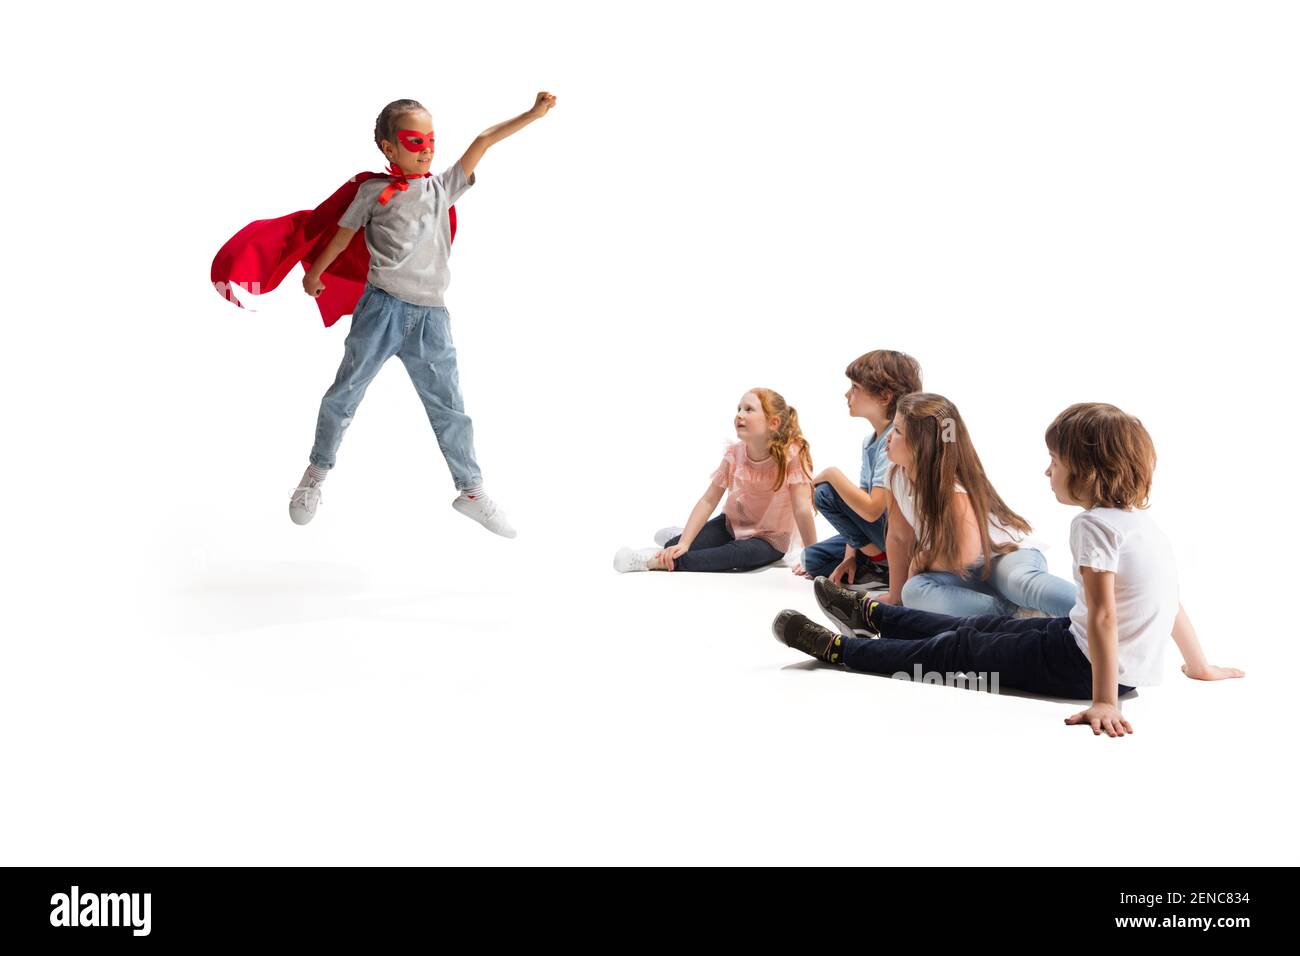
(387, 686)
(1042, 207)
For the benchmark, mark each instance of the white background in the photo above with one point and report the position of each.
(1044, 202)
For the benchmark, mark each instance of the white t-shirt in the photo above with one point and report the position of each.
(1146, 587)
(900, 487)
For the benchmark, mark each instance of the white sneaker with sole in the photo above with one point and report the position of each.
(304, 499)
(664, 535)
(633, 559)
(485, 511)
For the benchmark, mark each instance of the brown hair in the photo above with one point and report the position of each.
(384, 122)
(883, 371)
(1108, 454)
(786, 433)
(942, 458)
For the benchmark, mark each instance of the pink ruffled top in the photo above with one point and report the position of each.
(753, 508)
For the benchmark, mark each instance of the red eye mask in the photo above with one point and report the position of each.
(414, 140)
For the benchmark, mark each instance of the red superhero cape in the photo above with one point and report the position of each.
(259, 256)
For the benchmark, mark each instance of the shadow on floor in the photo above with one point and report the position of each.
(238, 596)
(812, 665)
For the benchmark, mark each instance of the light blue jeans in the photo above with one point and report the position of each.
(420, 335)
(1019, 579)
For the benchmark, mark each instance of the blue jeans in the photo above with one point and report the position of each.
(824, 557)
(1038, 655)
(714, 549)
(1019, 579)
(420, 335)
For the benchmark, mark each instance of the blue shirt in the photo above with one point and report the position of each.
(874, 459)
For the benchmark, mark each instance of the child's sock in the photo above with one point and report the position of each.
(474, 491)
(314, 475)
(869, 606)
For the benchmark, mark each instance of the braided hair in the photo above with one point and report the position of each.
(388, 116)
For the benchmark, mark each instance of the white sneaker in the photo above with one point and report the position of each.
(633, 559)
(664, 535)
(304, 499)
(485, 511)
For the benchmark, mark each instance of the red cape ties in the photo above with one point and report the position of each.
(259, 256)
(399, 183)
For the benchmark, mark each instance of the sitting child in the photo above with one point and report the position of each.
(856, 554)
(1113, 638)
(766, 477)
(955, 547)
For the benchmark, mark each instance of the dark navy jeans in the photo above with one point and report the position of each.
(714, 549)
(1037, 654)
(825, 556)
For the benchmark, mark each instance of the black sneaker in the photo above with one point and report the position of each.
(794, 630)
(869, 572)
(844, 607)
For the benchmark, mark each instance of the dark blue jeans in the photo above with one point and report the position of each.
(714, 549)
(824, 557)
(1036, 654)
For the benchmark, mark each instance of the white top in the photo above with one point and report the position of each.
(1146, 586)
(900, 486)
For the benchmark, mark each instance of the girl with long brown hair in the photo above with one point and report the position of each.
(954, 545)
(767, 478)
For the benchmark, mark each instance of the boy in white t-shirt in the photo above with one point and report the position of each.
(1113, 639)
(1102, 461)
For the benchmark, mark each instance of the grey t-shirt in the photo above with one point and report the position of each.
(409, 238)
